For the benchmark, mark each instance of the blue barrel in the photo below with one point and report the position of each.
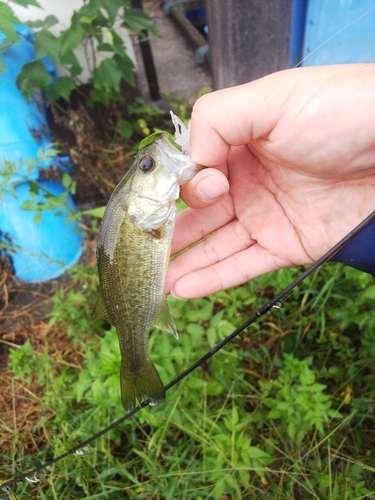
(38, 252)
(24, 128)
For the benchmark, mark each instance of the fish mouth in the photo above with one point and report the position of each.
(177, 162)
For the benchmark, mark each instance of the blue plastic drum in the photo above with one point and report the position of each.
(39, 252)
(24, 128)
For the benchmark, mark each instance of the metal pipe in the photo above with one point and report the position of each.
(198, 41)
(148, 60)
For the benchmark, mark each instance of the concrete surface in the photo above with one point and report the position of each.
(173, 56)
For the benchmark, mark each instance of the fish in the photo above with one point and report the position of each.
(132, 254)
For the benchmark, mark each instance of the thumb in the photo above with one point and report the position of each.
(206, 188)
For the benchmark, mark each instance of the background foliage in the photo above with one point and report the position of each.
(286, 411)
(95, 25)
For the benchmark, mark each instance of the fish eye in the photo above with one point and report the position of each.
(147, 164)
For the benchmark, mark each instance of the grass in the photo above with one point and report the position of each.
(285, 411)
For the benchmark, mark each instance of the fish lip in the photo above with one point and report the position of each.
(177, 162)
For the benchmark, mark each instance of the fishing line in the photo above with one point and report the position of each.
(39, 473)
(333, 36)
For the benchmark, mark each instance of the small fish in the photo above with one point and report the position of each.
(133, 252)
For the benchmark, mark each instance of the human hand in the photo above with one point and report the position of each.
(296, 149)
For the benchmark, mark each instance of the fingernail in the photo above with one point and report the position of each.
(172, 292)
(211, 187)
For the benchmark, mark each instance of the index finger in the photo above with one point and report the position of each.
(194, 224)
(229, 117)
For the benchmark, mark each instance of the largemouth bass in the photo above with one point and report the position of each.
(133, 252)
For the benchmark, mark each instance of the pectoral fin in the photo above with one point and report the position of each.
(99, 310)
(164, 320)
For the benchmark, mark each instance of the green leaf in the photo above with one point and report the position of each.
(73, 188)
(195, 329)
(126, 66)
(2, 65)
(33, 187)
(126, 129)
(274, 414)
(28, 205)
(11, 189)
(98, 95)
(32, 76)
(138, 21)
(63, 87)
(292, 430)
(66, 180)
(47, 45)
(95, 212)
(112, 7)
(87, 19)
(7, 21)
(211, 336)
(38, 218)
(107, 75)
(214, 388)
(43, 23)
(307, 376)
(25, 3)
(255, 452)
(109, 36)
(369, 293)
(70, 60)
(104, 47)
(70, 38)
(117, 45)
(155, 135)
(89, 8)
(46, 154)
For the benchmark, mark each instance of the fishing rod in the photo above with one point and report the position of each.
(39, 473)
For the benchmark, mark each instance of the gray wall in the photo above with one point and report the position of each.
(248, 39)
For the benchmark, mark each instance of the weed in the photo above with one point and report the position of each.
(284, 412)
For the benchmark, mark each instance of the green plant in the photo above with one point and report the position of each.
(26, 362)
(296, 399)
(40, 198)
(285, 411)
(182, 105)
(94, 25)
(142, 114)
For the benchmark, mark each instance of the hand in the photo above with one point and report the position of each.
(293, 157)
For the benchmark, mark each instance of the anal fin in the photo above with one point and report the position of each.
(99, 309)
(164, 320)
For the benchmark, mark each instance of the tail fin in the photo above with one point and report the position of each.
(140, 384)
